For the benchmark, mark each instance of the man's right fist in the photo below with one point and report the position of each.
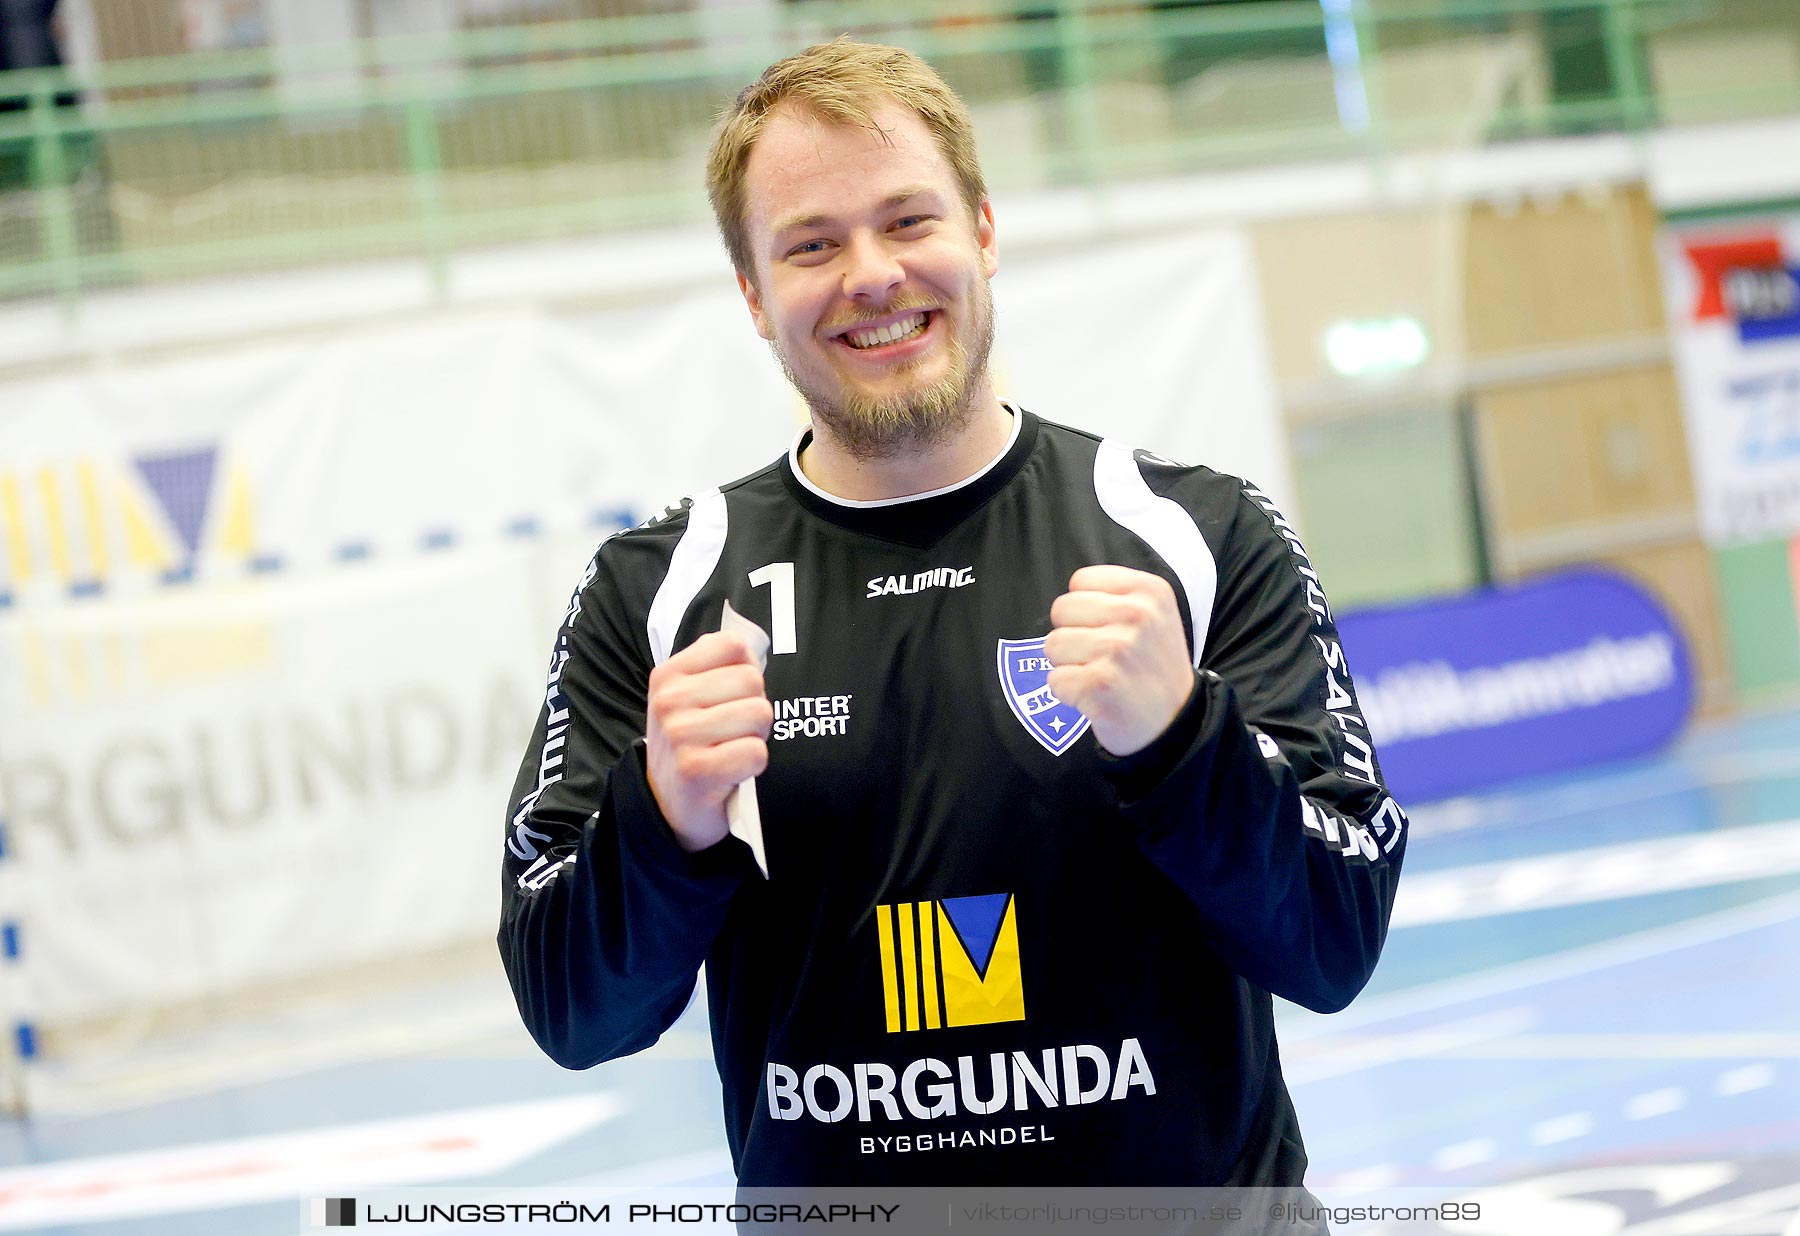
(707, 729)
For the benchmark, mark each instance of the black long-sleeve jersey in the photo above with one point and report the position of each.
(986, 951)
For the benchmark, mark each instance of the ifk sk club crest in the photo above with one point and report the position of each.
(1025, 681)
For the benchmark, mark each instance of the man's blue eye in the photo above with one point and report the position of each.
(811, 246)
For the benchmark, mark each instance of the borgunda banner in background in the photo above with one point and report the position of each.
(1733, 290)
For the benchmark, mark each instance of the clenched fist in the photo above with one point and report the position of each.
(1120, 654)
(707, 729)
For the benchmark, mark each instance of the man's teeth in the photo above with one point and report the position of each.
(905, 328)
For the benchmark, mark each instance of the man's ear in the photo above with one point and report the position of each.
(753, 300)
(984, 236)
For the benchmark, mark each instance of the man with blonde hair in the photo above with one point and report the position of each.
(1059, 768)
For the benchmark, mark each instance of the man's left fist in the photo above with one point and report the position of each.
(1120, 654)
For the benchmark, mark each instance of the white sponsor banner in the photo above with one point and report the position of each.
(1733, 288)
(1158, 342)
(218, 786)
(274, 623)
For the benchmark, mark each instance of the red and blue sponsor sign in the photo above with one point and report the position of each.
(1750, 280)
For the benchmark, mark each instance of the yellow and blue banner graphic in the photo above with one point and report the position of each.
(950, 962)
(81, 520)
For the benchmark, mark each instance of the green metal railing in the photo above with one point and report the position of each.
(425, 145)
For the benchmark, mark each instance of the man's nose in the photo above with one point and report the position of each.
(873, 270)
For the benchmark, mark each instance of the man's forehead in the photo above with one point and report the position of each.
(794, 119)
(805, 167)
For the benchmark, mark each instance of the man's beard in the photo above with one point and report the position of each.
(869, 427)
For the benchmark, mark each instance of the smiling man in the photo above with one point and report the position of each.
(1060, 769)
(877, 304)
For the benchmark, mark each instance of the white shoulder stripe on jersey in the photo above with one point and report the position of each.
(1164, 526)
(692, 564)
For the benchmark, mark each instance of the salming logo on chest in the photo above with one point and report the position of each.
(919, 581)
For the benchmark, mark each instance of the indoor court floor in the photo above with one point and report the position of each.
(1592, 987)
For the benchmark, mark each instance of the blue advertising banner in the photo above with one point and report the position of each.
(1540, 677)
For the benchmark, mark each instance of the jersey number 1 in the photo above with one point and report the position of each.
(780, 578)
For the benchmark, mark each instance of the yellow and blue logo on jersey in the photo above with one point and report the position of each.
(950, 962)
